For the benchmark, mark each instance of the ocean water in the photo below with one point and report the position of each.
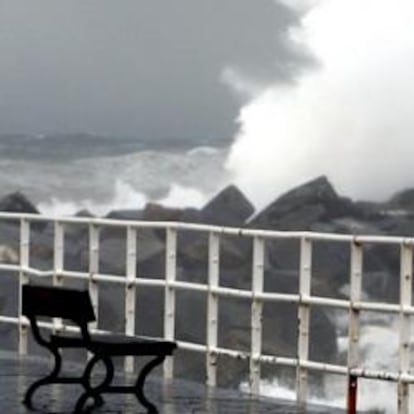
(64, 174)
(378, 349)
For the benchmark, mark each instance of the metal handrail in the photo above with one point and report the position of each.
(303, 298)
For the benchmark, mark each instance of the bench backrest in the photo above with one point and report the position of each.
(57, 302)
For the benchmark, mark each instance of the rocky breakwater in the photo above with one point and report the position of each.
(313, 206)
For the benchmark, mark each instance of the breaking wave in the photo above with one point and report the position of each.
(348, 118)
(101, 184)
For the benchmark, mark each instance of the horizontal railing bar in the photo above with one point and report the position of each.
(360, 305)
(374, 306)
(243, 355)
(323, 301)
(10, 267)
(70, 274)
(101, 277)
(189, 346)
(231, 292)
(277, 297)
(36, 272)
(189, 286)
(324, 367)
(275, 360)
(119, 279)
(381, 307)
(149, 282)
(9, 319)
(382, 375)
(235, 231)
(220, 290)
(312, 365)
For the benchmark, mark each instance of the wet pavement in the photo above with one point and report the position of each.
(175, 397)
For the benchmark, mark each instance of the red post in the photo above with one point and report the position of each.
(352, 394)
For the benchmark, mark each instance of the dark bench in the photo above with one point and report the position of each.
(75, 305)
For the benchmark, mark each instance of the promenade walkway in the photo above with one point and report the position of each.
(177, 397)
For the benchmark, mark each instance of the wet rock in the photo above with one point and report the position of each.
(18, 203)
(229, 207)
(10, 233)
(298, 209)
(129, 214)
(368, 210)
(191, 215)
(112, 257)
(402, 200)
(84, 213)
(157, 212)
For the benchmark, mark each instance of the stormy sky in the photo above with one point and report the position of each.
(144, 68)
(349, 118)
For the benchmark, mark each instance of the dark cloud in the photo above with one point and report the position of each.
(148, 68)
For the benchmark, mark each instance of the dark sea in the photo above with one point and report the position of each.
(62, 174)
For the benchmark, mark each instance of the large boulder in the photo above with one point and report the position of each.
(403, 200)
(299, 208)
(84, 213)
(158, 212)
(130, 214)
(17, 202)
(229, 207)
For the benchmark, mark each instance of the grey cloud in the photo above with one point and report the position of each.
(147, 68)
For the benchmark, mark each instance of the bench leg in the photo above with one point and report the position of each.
(139, 390)
(49, 379)
(94, 392)
(105, 386)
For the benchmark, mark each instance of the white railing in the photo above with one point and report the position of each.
(303, 299)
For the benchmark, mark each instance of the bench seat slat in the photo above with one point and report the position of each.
(116, 344)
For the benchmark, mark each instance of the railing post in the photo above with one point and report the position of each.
(303, 319)
(406, 278)
(352, 393)
(93, 270)
(23, 279)
(58, 253)
(256, 314)
(354, 322)
(58, 257)
(130, 288)
(169, 306)
(212, 307)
